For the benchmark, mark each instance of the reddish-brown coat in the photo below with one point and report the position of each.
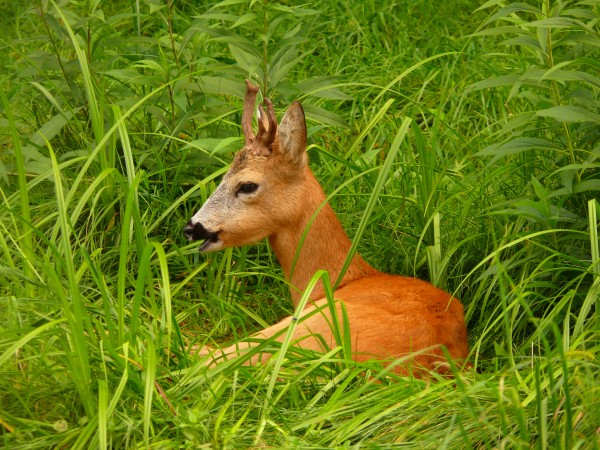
(390, 316)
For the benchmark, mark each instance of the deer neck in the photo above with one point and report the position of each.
(325, 245)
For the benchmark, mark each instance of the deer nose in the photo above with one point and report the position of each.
(196, 232)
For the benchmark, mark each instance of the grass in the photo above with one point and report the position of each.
(459, 143)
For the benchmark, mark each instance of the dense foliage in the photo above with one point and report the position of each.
(117, 120)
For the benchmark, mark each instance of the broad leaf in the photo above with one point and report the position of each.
(570, 113)
(51, 128)
(323, 116)
(517, 145)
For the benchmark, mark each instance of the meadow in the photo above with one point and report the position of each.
(458, 142)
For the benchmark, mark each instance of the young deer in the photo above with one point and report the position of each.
(270, 192)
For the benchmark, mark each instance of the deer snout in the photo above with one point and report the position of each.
(196, 232)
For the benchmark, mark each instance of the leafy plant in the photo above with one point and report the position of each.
(265, 38)
(549, 136)
(552, 107)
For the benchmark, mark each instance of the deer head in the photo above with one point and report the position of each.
(259, 194)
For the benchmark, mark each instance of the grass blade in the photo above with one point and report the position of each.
(383, 175)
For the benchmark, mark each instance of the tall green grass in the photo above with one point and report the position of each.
(457, 141)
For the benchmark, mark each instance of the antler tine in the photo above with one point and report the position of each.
(267, 136)
(263, 121)
(249, 102)
(272, 121)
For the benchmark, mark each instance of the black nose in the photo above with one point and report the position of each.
(197, 232)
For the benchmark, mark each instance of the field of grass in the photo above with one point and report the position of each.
(117, 120)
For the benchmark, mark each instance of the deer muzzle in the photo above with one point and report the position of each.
(195, 231)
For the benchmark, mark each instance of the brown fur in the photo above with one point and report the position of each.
(390, 316)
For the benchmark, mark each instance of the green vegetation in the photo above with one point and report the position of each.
(117, 120)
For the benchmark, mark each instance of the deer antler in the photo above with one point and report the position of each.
(267, 136)
(248, 113)
(267, 123)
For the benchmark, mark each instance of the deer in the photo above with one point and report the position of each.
(270, 192)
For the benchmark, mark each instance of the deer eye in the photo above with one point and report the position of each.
(247, 188)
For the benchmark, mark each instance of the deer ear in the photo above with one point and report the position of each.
(292, 135)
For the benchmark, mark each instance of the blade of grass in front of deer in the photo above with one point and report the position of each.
(386, 168)
(278, 360)
(342, 186)
(341, 333)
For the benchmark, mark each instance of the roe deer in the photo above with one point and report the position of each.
(270, 192)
